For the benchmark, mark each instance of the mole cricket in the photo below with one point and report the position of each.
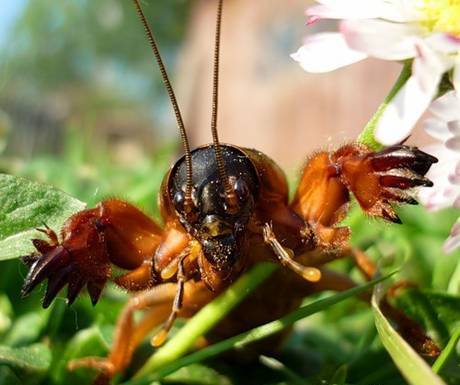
(224, 208)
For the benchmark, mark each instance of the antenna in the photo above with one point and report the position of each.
(230, 196)
(188, 204)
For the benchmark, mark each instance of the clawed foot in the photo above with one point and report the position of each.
(380, 179)
(400, 168)
(78, 261)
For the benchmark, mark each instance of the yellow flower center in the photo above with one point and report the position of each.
(440, 15)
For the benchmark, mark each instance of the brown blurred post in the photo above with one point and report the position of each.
(266, 100)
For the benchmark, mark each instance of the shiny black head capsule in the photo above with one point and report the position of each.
(219, 230)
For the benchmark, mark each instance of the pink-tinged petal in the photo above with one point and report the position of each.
(444, 43)
(453, 144)
(454, 127)
(362, 9)
(456, 74)
(324, 52)
(312, 19)
(453, 242)
(381, 39)
(454, 179)
(436, 128)
(429, 66)
(447, 107)
(457, 202)
(403, 111)
(443, 193)
(350, 9)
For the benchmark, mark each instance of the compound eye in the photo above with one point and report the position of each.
(179, 201)
(241, 189)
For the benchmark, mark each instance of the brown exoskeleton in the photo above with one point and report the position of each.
(224, 209)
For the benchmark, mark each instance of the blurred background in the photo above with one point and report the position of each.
(79, 76)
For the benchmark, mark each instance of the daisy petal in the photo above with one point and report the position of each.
(351, 9)
(455, 179)
(324, 52)
(454, 127)
(443, 193)
(456, 77)
(381, 39)
(453, 144)
(403, 111)
(429, 65)
(447, 107)
(444, 42)
(436, 128)
(362, 9)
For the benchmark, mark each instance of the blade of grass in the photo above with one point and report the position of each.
(447, 352)
(155, 369)
(414, 369)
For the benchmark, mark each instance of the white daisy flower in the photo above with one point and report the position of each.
(444, 126)
(427, 31)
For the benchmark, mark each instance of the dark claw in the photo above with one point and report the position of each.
(55, 284)
(95, 290)
(44, 267)
(390, 215)
(403, 157)
(75, 285)
(403, 182)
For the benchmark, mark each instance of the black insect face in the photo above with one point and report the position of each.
(219, 230)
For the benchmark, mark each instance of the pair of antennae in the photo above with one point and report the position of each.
(229, 193)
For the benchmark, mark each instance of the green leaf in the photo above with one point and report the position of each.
(447, 307)
(33, 358)
(87, 342)
(412, 366)
(27, 328)
(26, 205)
(417, 305)
(6, 313)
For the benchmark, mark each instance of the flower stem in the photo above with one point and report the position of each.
(367, 135)
(206, 318)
